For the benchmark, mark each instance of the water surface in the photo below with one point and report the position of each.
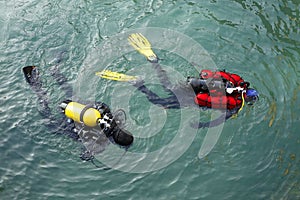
(256, 156)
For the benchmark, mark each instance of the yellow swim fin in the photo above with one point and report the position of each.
(107, 74)
(143, 46)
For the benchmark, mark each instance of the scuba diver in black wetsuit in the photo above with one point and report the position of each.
(220, 90)
(93, 124)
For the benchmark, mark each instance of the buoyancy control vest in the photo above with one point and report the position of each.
(214, 98)
(235, 79)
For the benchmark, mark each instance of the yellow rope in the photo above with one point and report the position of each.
(243, 102)
(241, 108)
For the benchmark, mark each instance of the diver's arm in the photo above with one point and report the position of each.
(221, 119)
(149, 94)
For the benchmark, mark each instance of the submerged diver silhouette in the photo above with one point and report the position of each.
(93, 124)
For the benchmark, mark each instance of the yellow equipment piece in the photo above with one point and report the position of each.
(107, 74)
(89, 117)
(143, 46)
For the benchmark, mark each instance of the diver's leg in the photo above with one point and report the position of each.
(169, 102)
(163, 77)
(62, 81)
(172, 100)
(151, 96)
(179, 95)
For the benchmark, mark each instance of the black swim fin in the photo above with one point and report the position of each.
(31, 74)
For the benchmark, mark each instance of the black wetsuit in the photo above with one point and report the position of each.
(74, 130)
(179, 96)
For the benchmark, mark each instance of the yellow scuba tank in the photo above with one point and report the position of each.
(81, 113)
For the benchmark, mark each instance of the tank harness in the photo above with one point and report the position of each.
(91, 115)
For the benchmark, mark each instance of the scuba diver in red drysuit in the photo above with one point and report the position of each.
(213, 89)
(217, 90)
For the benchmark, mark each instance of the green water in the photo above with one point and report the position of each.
(257, 154)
